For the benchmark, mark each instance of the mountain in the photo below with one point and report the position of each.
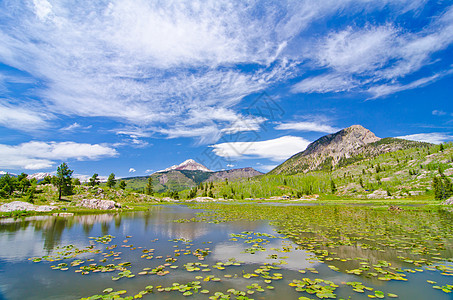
(189, 165)
(234, 174)
(38, 176)
(342, 148)
(178, 180)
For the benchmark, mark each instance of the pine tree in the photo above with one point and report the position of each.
(63, 180)
(333, 187)
(149, 186)
(122, 184)
(442, 187)
(111, 181)
(94, 180)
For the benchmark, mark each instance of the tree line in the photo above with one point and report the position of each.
(63, 181)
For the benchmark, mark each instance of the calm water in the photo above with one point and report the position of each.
(21, 278)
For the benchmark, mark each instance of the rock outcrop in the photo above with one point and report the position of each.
(19, 205)
(99, 204)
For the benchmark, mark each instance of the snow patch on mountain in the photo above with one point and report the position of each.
(189, 164)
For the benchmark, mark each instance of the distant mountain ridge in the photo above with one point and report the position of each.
(188, 175)
(340, 149)
(39, 176)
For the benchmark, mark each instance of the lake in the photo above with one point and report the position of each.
(237, 251)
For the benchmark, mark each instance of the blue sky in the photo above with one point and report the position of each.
(132, 87)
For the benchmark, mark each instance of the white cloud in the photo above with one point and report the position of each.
(357, 51)
(23, 118)
(41, 155)
(276, 149)
(42, 9)
(324, 84)
(387, 89)
(157, 64)
(86, 178)
(267, 168)
(307, 126)
(379, 59)
(75, 126)
(132, 170)
(144, 62)
(230, 166)
(438, 113)
(433, 137)
(148, 171)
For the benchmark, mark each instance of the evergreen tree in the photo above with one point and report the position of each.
(76, 181)
(63, 180)
(441, 148)
(21, 176)
(24, 184)
(333, 187)
(193, 193)
(94, 180)
(149, 186)
(47, 180)
(442, 187)
(122, 184)
(8, 184)
(111, 181)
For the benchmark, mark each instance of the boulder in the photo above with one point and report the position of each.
(203, 199)
(98, 204)
(377, 194)
(19, 205)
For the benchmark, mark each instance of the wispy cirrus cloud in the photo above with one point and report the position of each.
(157, 64)
(75, 126)
(433, 137)
(22, 117)
(42, 155)
(307, 126)
(379, 59)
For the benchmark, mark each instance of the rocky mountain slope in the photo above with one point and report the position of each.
(234, 174)
(342, 148)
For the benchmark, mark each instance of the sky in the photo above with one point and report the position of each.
(134, 86)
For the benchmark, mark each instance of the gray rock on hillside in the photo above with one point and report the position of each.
(99, 204)
(19, 205)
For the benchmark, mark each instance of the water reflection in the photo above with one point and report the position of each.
(38, 236)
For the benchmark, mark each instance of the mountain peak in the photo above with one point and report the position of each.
(339, 149)
(189, 164)
(342, 141)
(329, 150)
